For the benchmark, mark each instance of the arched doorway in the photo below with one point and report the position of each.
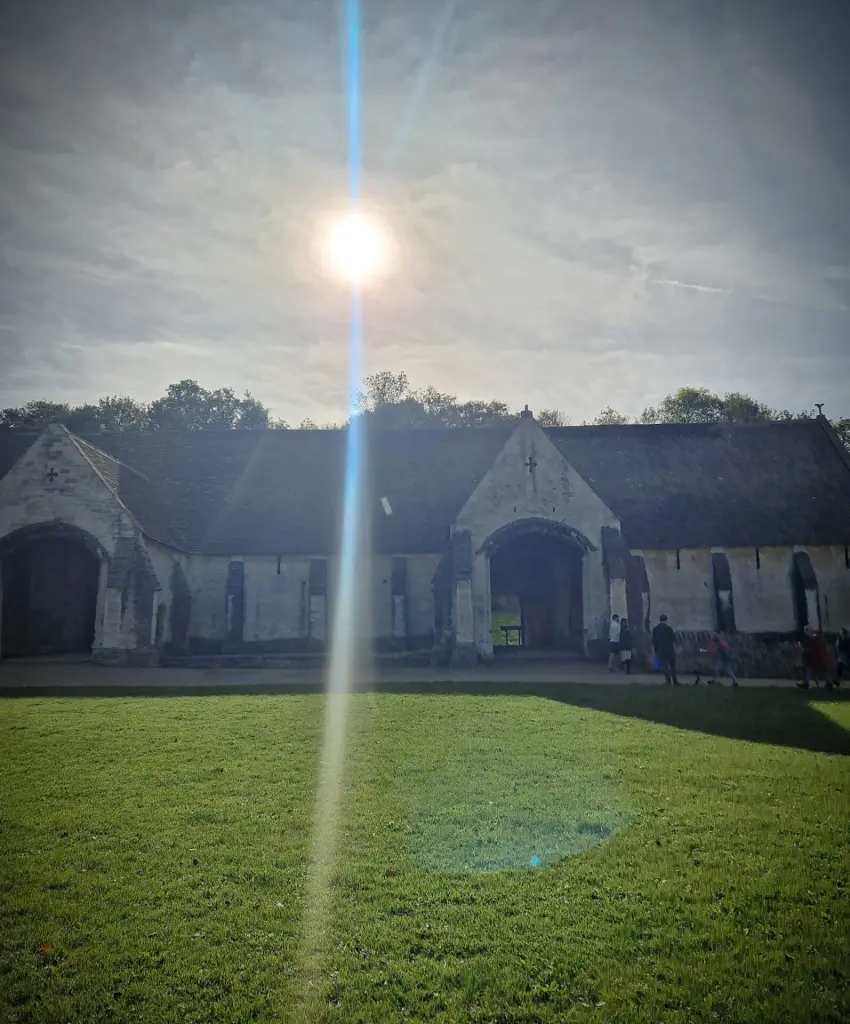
(50, 579)
(536, 594)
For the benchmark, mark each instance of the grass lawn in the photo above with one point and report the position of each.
(693, 848)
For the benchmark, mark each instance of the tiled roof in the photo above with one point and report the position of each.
(724, 485)
(280, 492)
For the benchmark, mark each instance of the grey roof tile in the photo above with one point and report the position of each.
(280, 492)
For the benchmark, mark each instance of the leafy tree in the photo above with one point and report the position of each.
(552, 418)
(480, 414)
(610, 417)
(739, 408)
(116, 412)
(308, 424)
(36, 415)
(389, 402)
(188, 406)
(386, 401)
(185, 404)
(687, 405)
(841, 427)
(699, 405)
(120, 412)
(383, 389)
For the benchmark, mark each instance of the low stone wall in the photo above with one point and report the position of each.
(754, 655)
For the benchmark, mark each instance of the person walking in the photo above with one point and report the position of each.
(614, 643)
(664, 645)
(842, 655)
(626, 645)
(815, 658)
(721, 652)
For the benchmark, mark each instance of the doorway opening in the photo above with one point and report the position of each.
(536, 591)
(50, 583)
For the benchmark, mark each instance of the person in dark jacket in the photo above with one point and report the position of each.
(626, 645)
(842, 655)
(664, 645)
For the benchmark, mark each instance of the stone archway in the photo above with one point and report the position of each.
(50, 579)
(536, 585)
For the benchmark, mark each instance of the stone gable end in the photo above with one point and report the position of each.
(54, 482)
(531, 479)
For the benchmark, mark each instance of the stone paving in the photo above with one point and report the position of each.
(38, 677)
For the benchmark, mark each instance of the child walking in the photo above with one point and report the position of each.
(722, 654)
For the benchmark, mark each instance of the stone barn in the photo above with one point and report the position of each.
(130, 545)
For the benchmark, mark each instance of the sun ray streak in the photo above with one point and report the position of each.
(348, 606)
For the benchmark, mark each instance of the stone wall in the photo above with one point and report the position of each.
(279, 614)
(207, 578)
(54, 483)
(833, 574)
(761, 585)
(682, 586)
(417, 608)
(276, 599)
(163, 559)
(553, 491)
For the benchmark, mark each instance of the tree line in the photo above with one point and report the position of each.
(387, 400)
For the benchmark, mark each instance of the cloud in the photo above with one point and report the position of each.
(705, 288)
(593, 205)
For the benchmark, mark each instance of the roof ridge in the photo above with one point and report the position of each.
(106, 455)
(750, 424)
(293, 431)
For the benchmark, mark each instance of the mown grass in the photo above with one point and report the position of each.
(153, 859)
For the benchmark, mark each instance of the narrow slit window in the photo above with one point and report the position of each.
(678, 559)
(758, 559)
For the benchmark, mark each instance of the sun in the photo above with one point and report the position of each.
(356, 248)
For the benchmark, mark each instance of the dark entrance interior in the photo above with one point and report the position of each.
(536, 592)
(50, 582)
(803, 583)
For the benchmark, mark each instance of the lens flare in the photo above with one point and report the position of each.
(356, 252)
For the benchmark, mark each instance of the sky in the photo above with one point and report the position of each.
(593, 203)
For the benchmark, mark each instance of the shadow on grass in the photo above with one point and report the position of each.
(781, 716)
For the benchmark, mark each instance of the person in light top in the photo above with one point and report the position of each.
(614, 643)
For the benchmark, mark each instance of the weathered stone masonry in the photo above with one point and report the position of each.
(128, 546)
